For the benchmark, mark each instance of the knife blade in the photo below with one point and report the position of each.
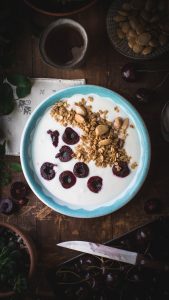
(117, 254)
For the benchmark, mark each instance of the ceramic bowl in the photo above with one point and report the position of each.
(55, 203)
(30, 249)
(78, 59)
(61, 10)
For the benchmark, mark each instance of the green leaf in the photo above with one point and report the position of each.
(23, 91)
(6, 99)
(16, 167)
(22, 83)
(5, 178)
(2, 148)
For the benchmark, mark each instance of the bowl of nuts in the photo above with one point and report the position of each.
(85, 151)
(139, 29)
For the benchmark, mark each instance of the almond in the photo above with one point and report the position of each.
(101, 129)
(105, 142)
(117, 123)
(79, 119)
(81, 110)
(125, 124)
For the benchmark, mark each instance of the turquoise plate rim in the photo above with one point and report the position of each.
(68, 92)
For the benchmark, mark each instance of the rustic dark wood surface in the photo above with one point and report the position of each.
(102, 67)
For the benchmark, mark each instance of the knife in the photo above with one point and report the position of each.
(124, 256)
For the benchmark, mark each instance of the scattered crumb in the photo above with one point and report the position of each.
(134, 165)
(91, 99)
(116, 108)
(132, 126)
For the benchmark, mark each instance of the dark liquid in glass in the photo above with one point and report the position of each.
(63, 45)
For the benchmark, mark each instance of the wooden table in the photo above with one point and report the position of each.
(102, 67)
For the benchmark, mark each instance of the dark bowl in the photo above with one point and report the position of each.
(58, 10)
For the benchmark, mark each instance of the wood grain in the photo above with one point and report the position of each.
(102, 67)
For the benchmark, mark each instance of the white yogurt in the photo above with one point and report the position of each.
(79, 196)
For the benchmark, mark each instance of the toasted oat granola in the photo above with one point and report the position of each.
(102, 140)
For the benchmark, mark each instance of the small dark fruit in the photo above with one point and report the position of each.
(121, 169)
(143, 237)
(47, 171)
(21, 202)
(19, 190)
(143, 95)
(81, 170)
(95, 184)
(87, 261)
(70, 136)
(111, 279)
(129, 72)
(65, 154)
(152, 206)
(54, 136)
(67, 179)
(7, 206)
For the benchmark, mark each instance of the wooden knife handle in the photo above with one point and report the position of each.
(152, 264)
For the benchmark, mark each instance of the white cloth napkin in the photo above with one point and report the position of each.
(13, 124)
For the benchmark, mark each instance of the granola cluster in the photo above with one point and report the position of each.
(102, 141)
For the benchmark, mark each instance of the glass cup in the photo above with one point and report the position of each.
(63, 44)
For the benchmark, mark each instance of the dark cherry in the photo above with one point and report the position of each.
(86, 261)
(152, 205)
(21, 202)
(65, 154)
(70, 136)
(143, 95)
(67, 179)
(47, 171)
(143, 237)
(82, 292)
(95, 184)
(121, 169)
(54, 136)
(129, 72)
(111, 279)
(7, 206)
(19, 190)
(81, 170)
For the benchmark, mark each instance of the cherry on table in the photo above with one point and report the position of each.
(81, 170)
(144, 95)
(129, 72)
(70, 136)
(19, 190)
(67, 179)
(47, 171)
(7, 206)
(152, 205)
(65, 154)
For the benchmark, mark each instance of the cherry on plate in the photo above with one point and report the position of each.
(81, 170)
(121, 169)
(19, 190)
(95, 184)
(47, 171)
(65, 154)
(67, 179)
(54, 136)
(7, 206)
(70, 136)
